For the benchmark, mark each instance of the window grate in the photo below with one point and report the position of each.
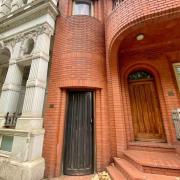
(116, 3)
(10, 120)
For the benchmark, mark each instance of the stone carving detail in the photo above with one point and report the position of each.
(27, 39)
(16, 4)
(28, 46)
(5, 7)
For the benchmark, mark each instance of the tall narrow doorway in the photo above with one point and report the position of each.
(78, 159)
(145, 106)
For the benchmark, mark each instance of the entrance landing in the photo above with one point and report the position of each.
(143, 165)
(155, 159)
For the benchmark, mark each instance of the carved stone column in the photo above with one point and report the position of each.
(36, 85)
(11, 90)
(3, 71)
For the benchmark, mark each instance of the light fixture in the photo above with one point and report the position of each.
(140, 37)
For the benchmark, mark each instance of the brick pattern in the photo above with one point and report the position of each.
(161, 70)
(78, 62)
(130, 171)
(130, 13)
(85, 56)
(164, 163)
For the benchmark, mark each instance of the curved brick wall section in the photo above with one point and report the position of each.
(131, 12)
(78, 61)
(80, 49)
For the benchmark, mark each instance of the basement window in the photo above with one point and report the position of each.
(82, 7)
(6, 143)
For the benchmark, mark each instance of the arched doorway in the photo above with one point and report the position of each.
(145, 107)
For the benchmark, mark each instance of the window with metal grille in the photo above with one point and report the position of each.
(116, 3)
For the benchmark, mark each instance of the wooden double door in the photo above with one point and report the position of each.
(78, 153)
(145, 107)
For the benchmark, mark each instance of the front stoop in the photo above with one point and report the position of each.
(114, 173)
(144, 165)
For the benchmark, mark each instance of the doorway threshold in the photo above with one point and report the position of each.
(152, 146)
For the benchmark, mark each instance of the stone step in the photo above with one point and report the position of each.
(130, 172)
(115, 174)
(154, 162)
(151, 146)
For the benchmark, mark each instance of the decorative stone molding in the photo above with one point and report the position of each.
(33, 10)
(16, 4)
(24, 37)
(30, 33)
(11, 87)
(5, 7)
(36, 83)
(21, 133)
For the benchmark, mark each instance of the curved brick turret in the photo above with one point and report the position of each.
(131, 13)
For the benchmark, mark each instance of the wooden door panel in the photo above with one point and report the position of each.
(78, 159)
(146, 114)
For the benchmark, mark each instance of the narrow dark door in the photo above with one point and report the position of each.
(78, 159)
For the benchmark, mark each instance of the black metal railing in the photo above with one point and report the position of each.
(11, 119)
(116, 3)
(176, 119)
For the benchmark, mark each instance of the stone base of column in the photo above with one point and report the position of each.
(29, 123)
(30, 170)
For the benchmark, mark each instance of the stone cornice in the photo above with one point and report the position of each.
(23, 133)
(27, 13)
(32, 32)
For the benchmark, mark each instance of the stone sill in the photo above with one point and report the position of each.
(22, 133)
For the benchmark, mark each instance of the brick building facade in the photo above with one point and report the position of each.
(112, 102)
(126, 55)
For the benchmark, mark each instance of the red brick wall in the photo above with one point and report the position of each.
(78, 62)
(130, 13)
(161, 69)
(84, 57)
(126, 18)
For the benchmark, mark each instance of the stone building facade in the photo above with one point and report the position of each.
(113, 85)
(26, 30)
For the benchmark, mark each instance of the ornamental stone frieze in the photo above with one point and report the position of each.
(27, 40)
(9, 19)
(30, 33)
(5, 7)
